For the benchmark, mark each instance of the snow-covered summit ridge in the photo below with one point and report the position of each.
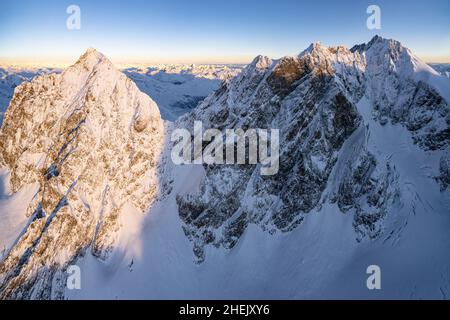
(400, 58)
(313, 100)
(90, 61)
(379, 51)
(92, 55)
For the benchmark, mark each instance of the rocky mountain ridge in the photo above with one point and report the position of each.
(313, 99)
(91, 141)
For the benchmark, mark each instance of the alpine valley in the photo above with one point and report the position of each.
(87, 179)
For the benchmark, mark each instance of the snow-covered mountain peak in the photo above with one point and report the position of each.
(91, 141)
(313, 100)
(313, 47)
(375, 40)
(260, 62)
(91, 58)
(90, 65)
(391, 55)
(397, 80)
(318, 50)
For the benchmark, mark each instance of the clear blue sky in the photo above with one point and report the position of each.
(214, 30)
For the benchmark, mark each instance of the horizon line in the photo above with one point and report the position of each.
(157, 60)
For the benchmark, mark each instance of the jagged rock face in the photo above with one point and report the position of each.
(311, 99)
(369, 188)
(303, 98)
(92, 141)
(11, 77)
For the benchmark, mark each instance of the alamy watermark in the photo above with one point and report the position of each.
(74, 277)
(374, 280)
(215, 148)
(73, 22)
(374, 20)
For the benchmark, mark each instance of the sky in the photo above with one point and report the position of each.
(227, 31)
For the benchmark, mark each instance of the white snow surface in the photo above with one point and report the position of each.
(12, 213)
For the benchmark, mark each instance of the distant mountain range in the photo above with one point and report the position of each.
(442, 68)
(176, 88)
